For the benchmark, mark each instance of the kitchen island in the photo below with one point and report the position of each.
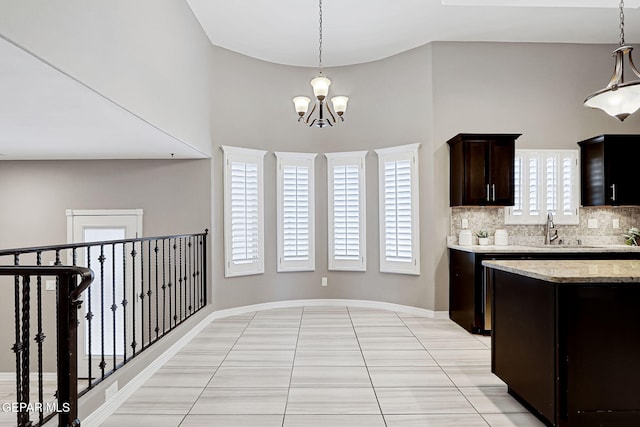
(566, 338)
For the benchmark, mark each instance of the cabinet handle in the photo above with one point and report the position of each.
(488, 198)
(493, 192)
(613, 192)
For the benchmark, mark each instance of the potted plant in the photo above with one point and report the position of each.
(633, 238)
(483, 237)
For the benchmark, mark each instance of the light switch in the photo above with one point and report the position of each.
(616, 222)
(593, 223)
(465, 223)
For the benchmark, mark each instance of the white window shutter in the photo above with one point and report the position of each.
(399, 203)
(346, 210)
(243, 211)
(295, 211)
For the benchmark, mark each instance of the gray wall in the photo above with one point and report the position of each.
(529, 88)
(174, 195)
(149, 56)
(390, 105)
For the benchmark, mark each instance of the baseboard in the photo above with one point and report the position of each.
(101, 414)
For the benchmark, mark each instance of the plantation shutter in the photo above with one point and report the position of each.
(399, 202)
(244, 213)
(346, 212)
(397, 206)
(296, 213)
(517, 186)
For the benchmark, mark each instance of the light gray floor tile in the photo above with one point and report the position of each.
(180, 376)
(494, 400)
(512, 420)
(390, 343)
(472, 376)
(328, 343)
(393, 376)
(326, 333)
(435, 420)
(383, 331)
(319, 322)
(259, 358)
(462, 357)
(334, 376)
(211, 358)
(486, 340)
(251, 377)
(160, 400)
(328, 358)
(232, 421)
(333, 421)
(336, 401)
(210, 344)
(398, 358)
(376, 321)
(467, 343)
(142, 420)
(265, 322)
(253, 331)
(269, 342)
(423, 400)
(237, 401)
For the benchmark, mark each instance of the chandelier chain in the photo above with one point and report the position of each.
(621, 22)
(320, 44)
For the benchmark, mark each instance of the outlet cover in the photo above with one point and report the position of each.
(616, 222)
(593, 223)
(324, 281)
(464, 223)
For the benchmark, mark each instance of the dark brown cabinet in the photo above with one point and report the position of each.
(608, 173)
(481, 169)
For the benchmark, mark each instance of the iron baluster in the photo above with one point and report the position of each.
(169, 285)
(164, 287)
(124, 302)
(89, 317)
(142, 296)
(149, 287)
(204, 266)
(114, 306)
(134, 297)
(156, 249)
(102, 363)
(39, 338)
(175, 280)
(180, 281)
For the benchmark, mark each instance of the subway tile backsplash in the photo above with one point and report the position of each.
(492, 218)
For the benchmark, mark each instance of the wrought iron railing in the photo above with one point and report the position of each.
(143, 288)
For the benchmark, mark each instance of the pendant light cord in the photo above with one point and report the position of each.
(621, 22)
(320, 44)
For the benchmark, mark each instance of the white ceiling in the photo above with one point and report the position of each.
(356, 31)
(46, 114)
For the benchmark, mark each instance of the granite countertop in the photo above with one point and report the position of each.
(545, 248)
(573, 271)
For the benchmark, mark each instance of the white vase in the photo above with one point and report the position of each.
(483, 241)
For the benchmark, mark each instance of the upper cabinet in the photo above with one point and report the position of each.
(608, 171)
(481, 171)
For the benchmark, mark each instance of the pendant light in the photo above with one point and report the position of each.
(320, 84)
(618, 99)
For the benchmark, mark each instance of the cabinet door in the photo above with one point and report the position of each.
(622, 183)
(501, 172)
(476, 154)
(592, 175)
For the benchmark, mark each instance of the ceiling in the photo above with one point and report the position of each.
(54, 116)
(356, 31)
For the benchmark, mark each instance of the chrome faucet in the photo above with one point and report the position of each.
(548, 237)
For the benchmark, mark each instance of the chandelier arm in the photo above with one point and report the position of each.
(312, 123)
(306, 121)
(331, 113)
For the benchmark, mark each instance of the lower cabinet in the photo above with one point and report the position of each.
(470, 288)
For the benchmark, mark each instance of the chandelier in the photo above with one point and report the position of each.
(618, 99)
(325, 116)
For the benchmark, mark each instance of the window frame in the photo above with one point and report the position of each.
(541, 155)
(242, 155)
(398, 153)
(284, 159)
(350, 158)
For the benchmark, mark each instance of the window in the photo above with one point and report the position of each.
(346, 210)
(243, 211)
(295, 211)
(398, 200)
(545, 181)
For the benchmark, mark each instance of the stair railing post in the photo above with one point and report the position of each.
(67, 353)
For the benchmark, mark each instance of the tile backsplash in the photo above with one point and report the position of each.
(492, 218)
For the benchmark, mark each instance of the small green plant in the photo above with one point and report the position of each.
(633, 238)
(482, 234)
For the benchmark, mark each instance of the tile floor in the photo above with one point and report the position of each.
(327, 366)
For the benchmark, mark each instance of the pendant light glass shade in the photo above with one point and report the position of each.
(340, 104)
(302, 104)
(320, 87)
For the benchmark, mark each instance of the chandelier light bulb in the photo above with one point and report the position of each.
(340, 104)
(320, 87)
(302, 104)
